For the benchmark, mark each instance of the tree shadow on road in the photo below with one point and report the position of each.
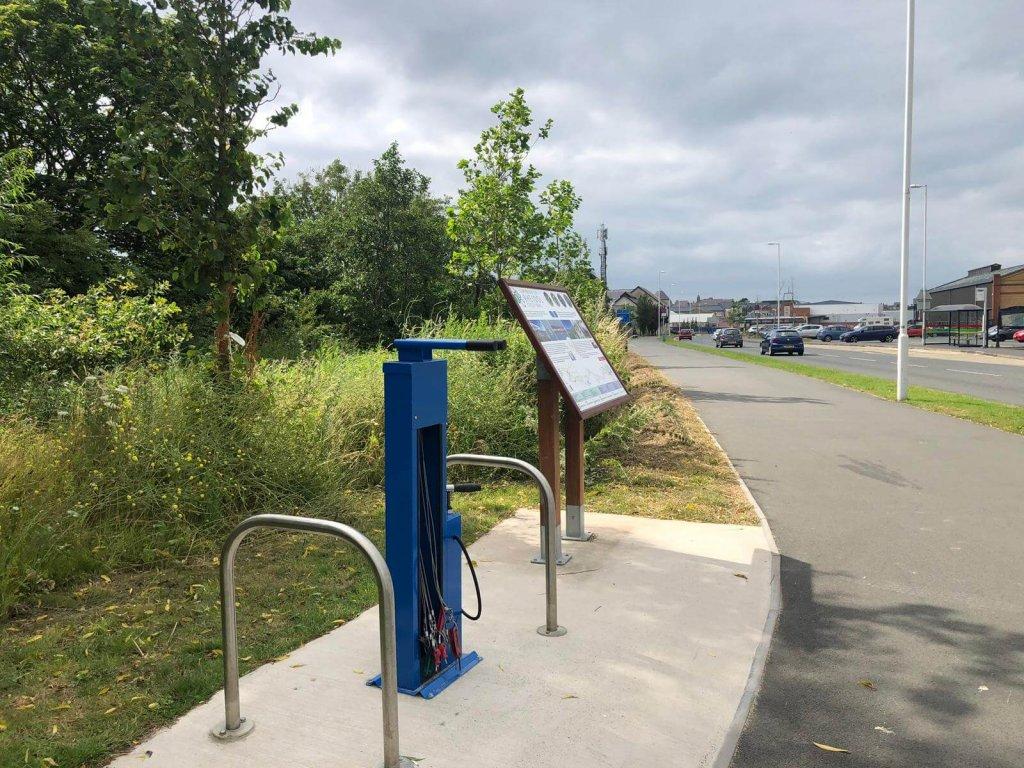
(947, 689)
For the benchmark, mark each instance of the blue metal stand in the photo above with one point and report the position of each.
(416, 507)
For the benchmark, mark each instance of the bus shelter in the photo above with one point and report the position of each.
(961, 324)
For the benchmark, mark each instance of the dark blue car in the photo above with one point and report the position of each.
(777, 342)
(884, 333)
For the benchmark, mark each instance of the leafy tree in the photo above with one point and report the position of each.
(565, 258)
(646, 316)
(370, 249)
(495, 225)
(740, 309)
(14, 202)
(71, 70)
(187, 175)
(498, 227)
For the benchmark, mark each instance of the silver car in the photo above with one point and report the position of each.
(809, 330)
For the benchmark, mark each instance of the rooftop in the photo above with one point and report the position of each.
(978, 278)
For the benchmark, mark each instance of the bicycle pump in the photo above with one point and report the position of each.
(422, 535)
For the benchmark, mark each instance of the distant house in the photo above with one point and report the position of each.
(627, 298)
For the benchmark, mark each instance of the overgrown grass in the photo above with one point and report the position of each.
(89, 668)
(1009, 418)
(129, 468)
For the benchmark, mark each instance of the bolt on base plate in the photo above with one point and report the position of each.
(558, 632)
(221, 732)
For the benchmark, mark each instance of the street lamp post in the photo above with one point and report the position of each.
(924, 268)
(778, 286)
(908, 118)
(660, 273)
(668, 314)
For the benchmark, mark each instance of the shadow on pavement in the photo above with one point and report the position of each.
(930, 706)
(734, 397)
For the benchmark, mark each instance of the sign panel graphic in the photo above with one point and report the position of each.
(566, 345)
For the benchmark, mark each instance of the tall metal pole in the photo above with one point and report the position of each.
(602, 251)
(660, 273)
(778, 286)
(908, 117)
(924, 271)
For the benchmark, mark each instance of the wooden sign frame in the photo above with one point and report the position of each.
(506, 288)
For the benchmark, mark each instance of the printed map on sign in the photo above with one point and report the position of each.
(555, 325)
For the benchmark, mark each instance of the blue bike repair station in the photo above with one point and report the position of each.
(424, 547)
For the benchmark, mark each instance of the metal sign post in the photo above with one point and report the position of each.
(981, 294)
(574, 466)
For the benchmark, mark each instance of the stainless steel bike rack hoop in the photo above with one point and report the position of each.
(235, 726)
(551, 532)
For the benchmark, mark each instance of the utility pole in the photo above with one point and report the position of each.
(924, 269)
(903, 351)
(602, 251)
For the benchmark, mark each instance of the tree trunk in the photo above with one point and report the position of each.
(222, 342)
(252, 340)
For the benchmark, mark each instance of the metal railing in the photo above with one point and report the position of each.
(235, 726)
(551, 532)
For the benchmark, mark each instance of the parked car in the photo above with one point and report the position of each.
(914, 330)
(729, 337)
(830, 332)
(685, 334)
(1003, 332)
(809, 330)
(1019, 336)
(883, 333)
(779, 341)
(715, 333)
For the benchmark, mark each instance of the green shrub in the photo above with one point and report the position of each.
(48, 340)
(139, 461)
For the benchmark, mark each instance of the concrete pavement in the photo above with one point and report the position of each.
(990, 378)
(661, 637)
(901, 636)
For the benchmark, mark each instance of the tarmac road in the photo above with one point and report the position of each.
(901, 537)
(1002, 383)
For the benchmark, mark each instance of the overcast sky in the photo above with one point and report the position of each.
(699, 131)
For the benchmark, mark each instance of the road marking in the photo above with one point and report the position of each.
(973, 373)
(870, 360)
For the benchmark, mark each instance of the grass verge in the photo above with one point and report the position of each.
(88, 670)
(1009, 418)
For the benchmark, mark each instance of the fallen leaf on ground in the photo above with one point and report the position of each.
(864, 682)
(830, 748)
(741, 576)
(570, 696)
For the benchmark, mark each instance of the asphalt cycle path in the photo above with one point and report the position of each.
(901, 532)
(1003, 383)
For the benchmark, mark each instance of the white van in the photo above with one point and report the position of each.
(874, 322)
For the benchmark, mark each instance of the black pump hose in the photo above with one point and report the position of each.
(476, 584)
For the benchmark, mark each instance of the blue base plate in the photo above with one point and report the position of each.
(440, 681)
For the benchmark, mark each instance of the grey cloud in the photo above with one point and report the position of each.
(699, 131)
